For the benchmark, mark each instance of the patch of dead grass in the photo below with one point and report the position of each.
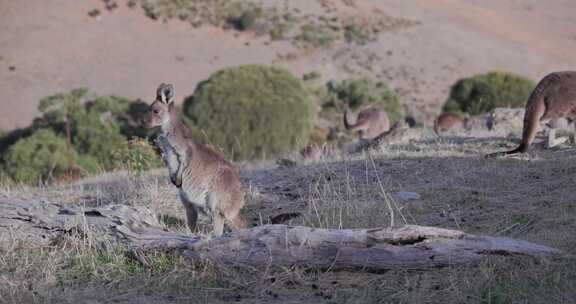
(528, 197)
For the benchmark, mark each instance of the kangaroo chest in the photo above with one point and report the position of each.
(194, 188)
(169, 154)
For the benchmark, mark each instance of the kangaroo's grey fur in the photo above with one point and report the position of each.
(554, 97)
(206, 181)
(370, 123)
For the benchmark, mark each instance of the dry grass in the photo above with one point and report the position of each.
(528, 197)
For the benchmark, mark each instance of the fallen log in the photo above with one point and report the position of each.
(408, 247)
(39, 223)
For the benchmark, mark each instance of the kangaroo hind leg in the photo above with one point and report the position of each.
(191, 213)
(218, 223)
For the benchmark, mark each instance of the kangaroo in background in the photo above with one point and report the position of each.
(447, 121)
(370, 123)
(554, 97)
(206, 181)
(313, 152)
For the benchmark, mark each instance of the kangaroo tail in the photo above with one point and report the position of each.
(436, 127)
(359, 125)
(535, 109)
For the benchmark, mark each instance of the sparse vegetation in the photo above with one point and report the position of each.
(482, 93)
(280, 30)
(315, 36)
(356, 32)
(252, 111)
(82, 271)
(244, 16)
(279, 22)
(314, 75)
(240, 15)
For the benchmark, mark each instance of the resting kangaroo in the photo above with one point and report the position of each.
(313, 151)
(447, 121)
(554, 97)
(370, 123)
(207, 182)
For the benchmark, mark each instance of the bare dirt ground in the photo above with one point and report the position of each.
(52, 46)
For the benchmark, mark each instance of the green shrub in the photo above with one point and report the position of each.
(359, 33)
(61, 109)
(136, 156)
(98, 127)
(280, 30)
(9, 138)
(33, 158)
(132, 121)
(98, 133)
(482, 93)
(243, 16)
(315, 36)
(251, 111)
(311, 76)
(358, 93)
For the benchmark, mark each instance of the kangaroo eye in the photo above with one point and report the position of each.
(156, 111)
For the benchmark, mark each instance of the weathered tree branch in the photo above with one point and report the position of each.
(407, 247)
(38, 223)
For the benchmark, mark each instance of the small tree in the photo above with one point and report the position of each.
(64, 109)
(85, 134)
(252, 111)
(99, 132)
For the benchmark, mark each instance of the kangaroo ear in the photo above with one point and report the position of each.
(165, 93)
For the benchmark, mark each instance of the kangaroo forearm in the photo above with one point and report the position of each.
(181, 165)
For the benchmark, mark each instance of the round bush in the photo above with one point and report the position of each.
(33, 158)
(252, 111)
(482, 93)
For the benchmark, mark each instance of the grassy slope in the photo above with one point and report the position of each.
(527, 198)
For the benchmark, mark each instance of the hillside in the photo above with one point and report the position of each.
(54, 46)
(86, 179)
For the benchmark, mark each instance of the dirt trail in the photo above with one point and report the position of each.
(53, 45)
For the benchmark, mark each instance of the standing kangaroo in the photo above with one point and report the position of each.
(554, 97)
(370, 123)
(207, 182)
